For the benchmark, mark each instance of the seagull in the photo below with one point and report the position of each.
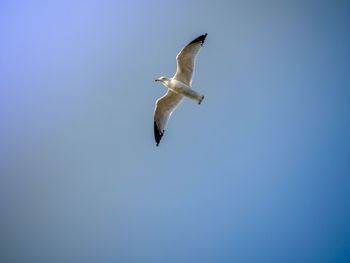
(178, 87)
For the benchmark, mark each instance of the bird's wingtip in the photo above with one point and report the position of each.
(200, 39)
(157, 134)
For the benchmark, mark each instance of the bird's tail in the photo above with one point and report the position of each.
(194, 95)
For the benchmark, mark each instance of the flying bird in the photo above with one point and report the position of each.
(178, 87)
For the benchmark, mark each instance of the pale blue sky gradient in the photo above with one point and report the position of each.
(260, 172)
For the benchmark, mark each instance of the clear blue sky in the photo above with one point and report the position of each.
(260, 172)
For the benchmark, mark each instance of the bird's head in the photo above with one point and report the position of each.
(163, 79)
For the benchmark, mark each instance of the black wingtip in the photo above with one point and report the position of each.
(157, 134)
(200, 39)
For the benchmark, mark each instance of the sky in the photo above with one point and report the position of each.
(259, 172)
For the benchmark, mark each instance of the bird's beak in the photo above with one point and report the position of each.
(157, 80)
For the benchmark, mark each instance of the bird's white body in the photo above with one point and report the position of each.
(182, 89)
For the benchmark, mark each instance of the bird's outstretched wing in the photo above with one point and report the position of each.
(165, 106)
(186, 60)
